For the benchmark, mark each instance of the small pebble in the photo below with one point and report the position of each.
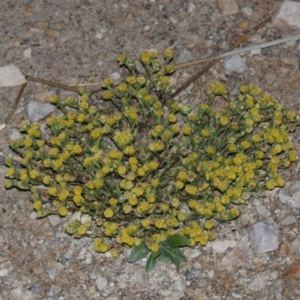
(256, 52)
(294, 187)
(284, 195)
(235, 64)
(294, 202)
(14, 134)
(68, 255)
(274, 275)
(287, 16)
(244, 25)
(54, 269)
(37, 111)
(221, 246)
(192, 273)
(193, 253)
(236, 296)
(191, 7)
(27, 53)
(99, 35)
(115, 76)
(28, 8)
(211, 274)
(292, 270)
(228, 7)
(288, 220)
(264, 236)
(101, 282)
(263, 211)
(283, 248)
(248, 11)
(53, 72)
(296, 245)
(186, 298)
(11, 76)
(32, 216)
(100, 63)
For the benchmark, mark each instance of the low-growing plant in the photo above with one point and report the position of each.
(152, 174)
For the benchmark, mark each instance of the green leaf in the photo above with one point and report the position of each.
(44, 213)
(180, 254)
(175, 255)
(176, 241)
(156, 254)
(150, 263)
(163, 258)
(138, 252)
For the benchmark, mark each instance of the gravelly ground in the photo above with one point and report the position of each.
(77, 42)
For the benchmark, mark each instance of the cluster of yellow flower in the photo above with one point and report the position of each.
(144, 172)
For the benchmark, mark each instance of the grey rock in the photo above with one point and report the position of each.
(179, 285)
(4, 271)
(27, 53)
(256, 201)
(294, 187)
(186, 298)
(284, 195)
(294, 202)
(68, 255)
(191, 7)
(228, 7)
(35, 288)
(271, 291)
(37, 111)
(193, 253)
(101, 282)
(32, 215)
(115, 76)
(11, 76)
(264, 236)
(54, 290)
(211, 273)
(235, 64)
(236, 296)
(287, 16)
(20, 294)
(55, 220)
(222, 246)
(288, 220)
(238, 257)
(141, 262)
(192, 273)
(258, 283)
(263, 211)
(54, 269)
(274, 275)
(248, 11)
(14, 134)
(296, 245)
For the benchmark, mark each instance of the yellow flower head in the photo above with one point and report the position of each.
(145, 57)
(37, 205)
(210, 150)
(52, 190)
(77, 190)
(81, 230)
(205, 132)
(168, 54)
(107, 95)
(191, 190)
(63, 211)
(108, 213)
